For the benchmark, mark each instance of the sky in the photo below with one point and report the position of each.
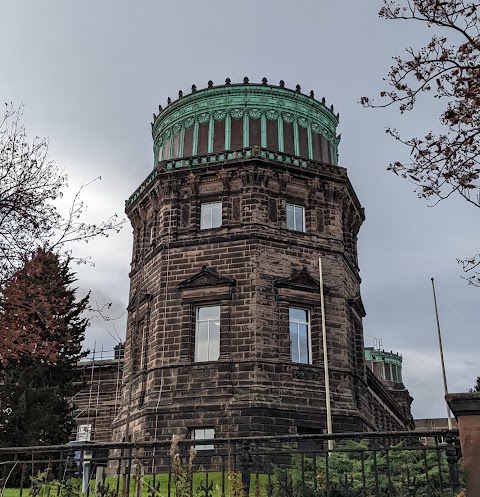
(90, 75)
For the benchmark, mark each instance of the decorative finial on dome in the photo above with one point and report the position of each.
(210, 84)
(194, 88)
(228, 81)
(312, 94)
(160, 108)
(282, 83)
(154, 116)
(298, 88)
(169, 100)
(246, 80)
(264, 81)
(338, 116)
(323, 100)
(331, 107)
(180, 94)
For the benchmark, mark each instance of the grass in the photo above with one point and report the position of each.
(147, 484)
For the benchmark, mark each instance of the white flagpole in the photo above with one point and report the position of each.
(441, 354)
(325, 358)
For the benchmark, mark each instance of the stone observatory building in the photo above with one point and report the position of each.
(224, 334)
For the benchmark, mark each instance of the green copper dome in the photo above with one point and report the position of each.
(236, 117)
(244, 121)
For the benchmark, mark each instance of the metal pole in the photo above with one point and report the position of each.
(449, 415)
(325, 358)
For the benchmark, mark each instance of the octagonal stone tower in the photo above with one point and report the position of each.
(224, 326)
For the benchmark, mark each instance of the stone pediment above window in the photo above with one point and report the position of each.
(301, 287)
(300, 281)
(144, 297)
(206, 284)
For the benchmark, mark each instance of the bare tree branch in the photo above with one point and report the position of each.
(446, 163)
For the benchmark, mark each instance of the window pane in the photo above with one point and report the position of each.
(255, 127)
(272, 135)
(303, 141)
(176, 145)
(325, 153)
(188, 142)
(295, 217)
(317, 146)
(84, 433)
(236, 140)
(203, 434)
(201, 348)
(288, 145)
(298, 315)
(202, 147)
(294, 341)
(207, 334)
(299, 218)
(303, 343)
(299, 335)
(219, 136)
(166, 149)
(160, 150)
(211, 215)
(210, 312)
(214, 340)
(290, 217)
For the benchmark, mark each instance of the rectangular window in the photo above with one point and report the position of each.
(272, 134)
(84, 433)
(202, 146)
(299, 335)
(255, 132)
(188, 142)
(211, 215)
(295, 217)
(207, 334)
(236, 140)
(203, 434)
(288, 138)
(218, 136)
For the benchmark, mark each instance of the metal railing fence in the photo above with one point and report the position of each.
(393, 464)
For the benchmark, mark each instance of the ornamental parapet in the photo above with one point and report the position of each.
(234, 156)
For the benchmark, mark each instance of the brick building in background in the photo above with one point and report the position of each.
(224, 321)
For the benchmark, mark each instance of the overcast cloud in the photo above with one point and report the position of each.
(90, 74)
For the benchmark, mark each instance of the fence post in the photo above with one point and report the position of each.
(246, 463)
(466, 408)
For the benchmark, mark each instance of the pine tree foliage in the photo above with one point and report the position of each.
(476, 387)
(41, 333)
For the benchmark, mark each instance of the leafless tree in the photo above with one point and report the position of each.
(448, 67)
(30, 183)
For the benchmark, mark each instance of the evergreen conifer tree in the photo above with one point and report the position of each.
(41, 334)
